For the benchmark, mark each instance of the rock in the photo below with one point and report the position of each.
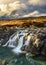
(27, 48)
(30, 55)
(4, 62)
(42, 35)
(43, 51)
(34, 50)
(23, 48)
(38, 43)
(25, 31)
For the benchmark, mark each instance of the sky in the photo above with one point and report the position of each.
(33, 2)
(22, 8)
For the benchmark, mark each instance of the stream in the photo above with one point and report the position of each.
(15, 50)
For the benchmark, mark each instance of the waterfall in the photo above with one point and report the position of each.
(19, 39)
(12, 41)
(20, 44)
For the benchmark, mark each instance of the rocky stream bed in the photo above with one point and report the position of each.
(20, 46)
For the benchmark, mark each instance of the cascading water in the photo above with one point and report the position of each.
(17, 40)
(20, 44)
(12, 41)
(23, 42)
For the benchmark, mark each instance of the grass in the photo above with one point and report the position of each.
(22, 22)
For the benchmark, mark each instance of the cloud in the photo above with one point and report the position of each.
(3, 7)
(17, 5)
(22, 8)
(37, 2)
(33, 2)
(12, 6)
(6, 1)
(31, 14)
(34, 14)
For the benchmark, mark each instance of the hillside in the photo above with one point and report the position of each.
(37, 21)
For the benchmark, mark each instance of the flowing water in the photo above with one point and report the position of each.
(12, 59)
(11, 51)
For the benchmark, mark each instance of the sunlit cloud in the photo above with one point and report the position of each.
(22, 7)
(12, 6)
(6, 1)
(3, 7)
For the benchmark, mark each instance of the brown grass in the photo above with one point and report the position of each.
(37, 21)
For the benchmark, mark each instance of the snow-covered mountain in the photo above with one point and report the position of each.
(23, 8)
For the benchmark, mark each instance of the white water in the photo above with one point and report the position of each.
(12, 41)
(16, 41)
(20, 44)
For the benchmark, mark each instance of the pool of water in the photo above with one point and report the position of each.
(12, 59)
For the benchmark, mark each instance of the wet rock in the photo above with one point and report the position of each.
(38, 43)
(43, 51)
(30, 55)
(26, 48)
(42, 35)
(34, 50)
(3, 62)
(23, 48)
